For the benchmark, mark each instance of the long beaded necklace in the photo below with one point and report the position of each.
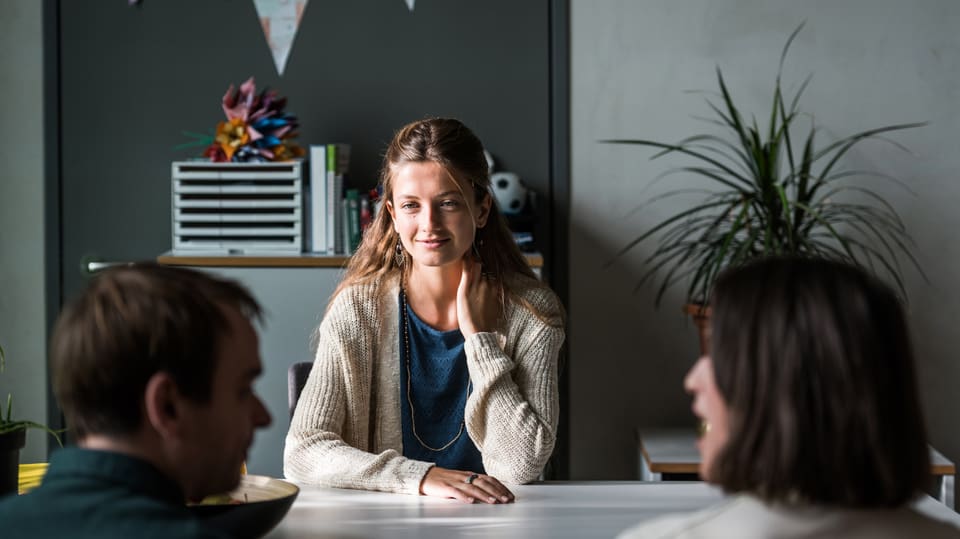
(413, 421)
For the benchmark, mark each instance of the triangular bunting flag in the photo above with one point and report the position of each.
(280, 20)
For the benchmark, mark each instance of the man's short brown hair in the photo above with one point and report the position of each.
(130, 323)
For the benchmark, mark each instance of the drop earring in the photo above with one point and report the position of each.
(398, 255)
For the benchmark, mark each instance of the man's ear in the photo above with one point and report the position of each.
(163, 404)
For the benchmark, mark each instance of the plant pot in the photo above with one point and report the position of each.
(10, 445)
(701, 317)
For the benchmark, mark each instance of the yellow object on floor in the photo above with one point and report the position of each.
(30, 476)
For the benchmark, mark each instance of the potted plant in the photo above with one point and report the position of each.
(774, 194)
(12, 439)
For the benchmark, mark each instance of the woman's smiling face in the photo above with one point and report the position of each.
(712, 410)
(435, 216)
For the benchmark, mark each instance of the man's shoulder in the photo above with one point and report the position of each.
(97, 514)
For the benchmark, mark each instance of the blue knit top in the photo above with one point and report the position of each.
(438, 386)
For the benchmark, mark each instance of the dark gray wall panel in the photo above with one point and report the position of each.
(133, 78)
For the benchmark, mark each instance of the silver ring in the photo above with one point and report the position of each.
(470, 479)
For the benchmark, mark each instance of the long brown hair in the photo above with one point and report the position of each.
(453, 146)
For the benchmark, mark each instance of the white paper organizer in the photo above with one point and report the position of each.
(237, 208)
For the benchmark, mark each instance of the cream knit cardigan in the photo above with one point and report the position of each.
(345, 431)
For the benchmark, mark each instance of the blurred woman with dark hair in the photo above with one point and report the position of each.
(808, 408)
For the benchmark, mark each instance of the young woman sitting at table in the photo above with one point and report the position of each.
(436, 364)
(808, 408)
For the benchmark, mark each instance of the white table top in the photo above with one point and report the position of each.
(552, 509)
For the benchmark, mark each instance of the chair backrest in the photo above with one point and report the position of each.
(296, 377)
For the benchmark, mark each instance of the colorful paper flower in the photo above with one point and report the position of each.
(257, 128)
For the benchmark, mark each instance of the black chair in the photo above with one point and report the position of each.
(296, 377)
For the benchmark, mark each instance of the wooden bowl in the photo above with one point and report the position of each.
(251, 510)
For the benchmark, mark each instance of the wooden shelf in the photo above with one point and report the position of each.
(304, 260)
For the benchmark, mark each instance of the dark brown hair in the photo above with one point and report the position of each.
(814, 361)
(457, 149)
(130, 323)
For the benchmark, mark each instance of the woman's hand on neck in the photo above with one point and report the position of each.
(477, 305)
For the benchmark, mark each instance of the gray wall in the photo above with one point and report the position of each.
(22, 315)
(875, 62)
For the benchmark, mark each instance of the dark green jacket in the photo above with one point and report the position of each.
(103, 495)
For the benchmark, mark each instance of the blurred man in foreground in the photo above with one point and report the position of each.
(153, 368)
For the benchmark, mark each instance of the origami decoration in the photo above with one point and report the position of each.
(257, 128)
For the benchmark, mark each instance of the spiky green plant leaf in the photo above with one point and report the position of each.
(770, 197)
(8, 424)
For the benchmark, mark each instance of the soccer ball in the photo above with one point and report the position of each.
(511, 195)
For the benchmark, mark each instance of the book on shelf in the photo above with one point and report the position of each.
(316, 200)
(366, 214)
(338, 162)
(328, 165)
(344, 230)
(352, 204)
